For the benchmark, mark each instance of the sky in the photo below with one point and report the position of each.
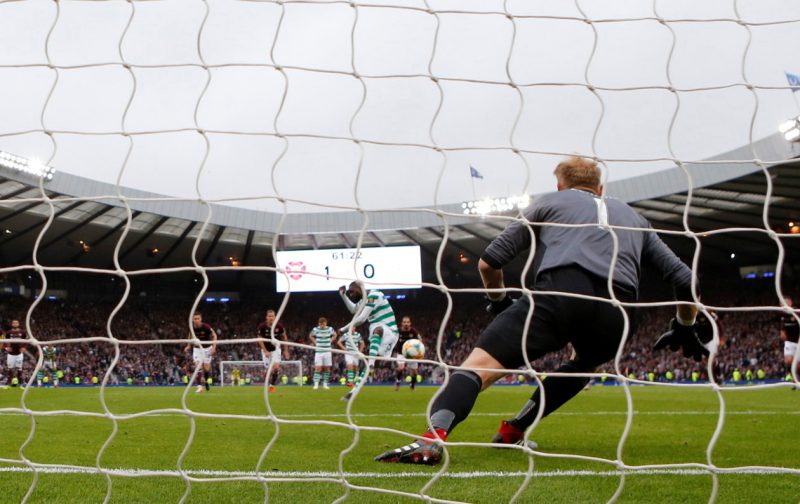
(417, 90)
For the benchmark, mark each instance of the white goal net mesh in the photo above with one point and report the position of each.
(222, 103)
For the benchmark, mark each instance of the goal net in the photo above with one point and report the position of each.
(239, 373)
(157, 156)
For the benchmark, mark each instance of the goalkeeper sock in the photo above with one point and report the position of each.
(557, 391)
(398, 376)
(326, 376)
(316, 377)
(413, 381)
(453, 404)
(273, 379)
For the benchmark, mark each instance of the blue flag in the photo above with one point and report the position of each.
(475, 173)
(794, 81)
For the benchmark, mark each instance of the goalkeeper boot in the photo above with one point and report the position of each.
(199, 389)
(508, 433)
(427, 451)
(271, 389)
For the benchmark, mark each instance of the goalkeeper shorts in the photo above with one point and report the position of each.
(594, 327)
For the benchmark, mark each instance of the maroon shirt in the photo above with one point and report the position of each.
(404, 336)
(265, 331)
(16, 348)
(790, 327)
(203, 333)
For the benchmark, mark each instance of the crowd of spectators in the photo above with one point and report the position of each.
(146, 334)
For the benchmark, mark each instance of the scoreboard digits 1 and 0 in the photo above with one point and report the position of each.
(328, 269)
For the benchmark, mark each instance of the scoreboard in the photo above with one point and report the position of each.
(329, 269)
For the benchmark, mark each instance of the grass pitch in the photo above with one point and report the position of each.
(762, 428)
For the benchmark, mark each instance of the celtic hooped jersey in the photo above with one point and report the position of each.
(351, 341)
(382, 312)
(323, 337)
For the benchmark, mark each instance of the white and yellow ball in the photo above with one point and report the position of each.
(413, 349)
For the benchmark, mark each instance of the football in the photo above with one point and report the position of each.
(413, 349)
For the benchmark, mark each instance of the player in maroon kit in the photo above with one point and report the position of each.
(271, 352)
(16, 352)
(406, 332)
(202, 353)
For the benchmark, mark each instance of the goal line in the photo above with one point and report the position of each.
(303, 476)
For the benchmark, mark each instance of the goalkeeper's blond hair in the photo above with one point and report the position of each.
(577, 172)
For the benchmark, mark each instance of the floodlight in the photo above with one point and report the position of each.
(33, 166)
(786, 126)
(792, 135)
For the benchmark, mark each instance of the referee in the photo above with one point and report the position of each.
(573, 259)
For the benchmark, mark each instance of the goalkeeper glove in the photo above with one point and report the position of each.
(684, 338)
(495, 307)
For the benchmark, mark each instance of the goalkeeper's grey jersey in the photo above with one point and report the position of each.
(589, 247)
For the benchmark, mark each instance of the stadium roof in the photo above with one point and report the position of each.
(86, 228)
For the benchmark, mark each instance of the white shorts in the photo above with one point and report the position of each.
(789, 348)
(351, 360)
(274, 357)
(50, 366)
(202, 355)
(402, 361)
(14, 361)
(388, 341)
(323, 359)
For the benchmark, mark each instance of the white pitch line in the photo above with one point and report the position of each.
(375, 475)
(475, 414)
(588, 413)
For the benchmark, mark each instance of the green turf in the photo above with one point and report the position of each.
(671, 426)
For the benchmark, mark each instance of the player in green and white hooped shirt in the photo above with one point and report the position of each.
(322, 336)
(374, 308)
(353, 343)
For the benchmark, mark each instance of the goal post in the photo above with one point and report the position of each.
(253, 372)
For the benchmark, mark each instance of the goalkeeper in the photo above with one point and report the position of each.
(575, 260)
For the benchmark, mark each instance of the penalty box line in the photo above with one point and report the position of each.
(302, 475)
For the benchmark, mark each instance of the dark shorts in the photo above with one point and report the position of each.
(593, 327)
